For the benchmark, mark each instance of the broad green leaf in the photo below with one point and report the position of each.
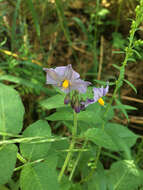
(101, 138)
(93, 114)
(131, 85)
(98, 180)
(124, 175)
(41, 176)
(114, 137)
(56, 101)
(3, 187)
(7, 162)
(65, 183)
(59, 147)
(36, 150)
(76, 186)
(87, 116)
(11, 110)
(66, 115)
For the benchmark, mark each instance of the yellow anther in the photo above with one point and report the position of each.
(65, 84)
(101, 101)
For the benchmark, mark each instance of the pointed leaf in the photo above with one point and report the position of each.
(131, 85)
(56, 101)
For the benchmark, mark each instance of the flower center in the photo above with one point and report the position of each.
(101, 101)
(65, 83)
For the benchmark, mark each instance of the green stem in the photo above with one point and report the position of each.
(74, 131)
(119, 82)
(77, 160)
(21, 158)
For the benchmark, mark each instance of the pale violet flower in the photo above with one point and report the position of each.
(98, 94)
(66, 79)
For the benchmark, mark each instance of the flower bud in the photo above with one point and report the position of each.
(67, 99)
(77, 105)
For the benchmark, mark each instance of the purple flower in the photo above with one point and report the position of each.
(98, 94)
(66, 79)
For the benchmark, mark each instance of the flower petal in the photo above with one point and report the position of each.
(61, 70)
(86, 103)
(70, 74)
(105, 90)
(52, 77)
(99, 92)
(80, 85)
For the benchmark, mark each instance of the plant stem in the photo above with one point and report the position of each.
(128, 53)
(69, 154)
(77, 160)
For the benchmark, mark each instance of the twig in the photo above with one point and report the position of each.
(128, 98)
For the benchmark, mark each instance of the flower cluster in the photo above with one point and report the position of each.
(69, 80)
(98, 94)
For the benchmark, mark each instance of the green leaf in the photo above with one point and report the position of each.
(7, 162)
(82, 26)
(11, 110)
(137, 53)
(93, 114)
(87, 116)
(57, 116)
(98, 180)
(131, 59)
(121, 106)
(56, 101)
(3, 187)
(41, 176)
(124, 175)
(33, 151)
(131, 85)
(116, 66)
(114, 137)
(127, 107)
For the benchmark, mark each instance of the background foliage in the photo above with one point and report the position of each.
(103, 42)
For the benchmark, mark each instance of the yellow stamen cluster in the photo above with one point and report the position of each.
(101, 101)
(65, 84)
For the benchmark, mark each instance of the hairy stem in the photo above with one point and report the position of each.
(74, 131)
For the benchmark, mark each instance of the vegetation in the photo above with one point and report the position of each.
(56, 130)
